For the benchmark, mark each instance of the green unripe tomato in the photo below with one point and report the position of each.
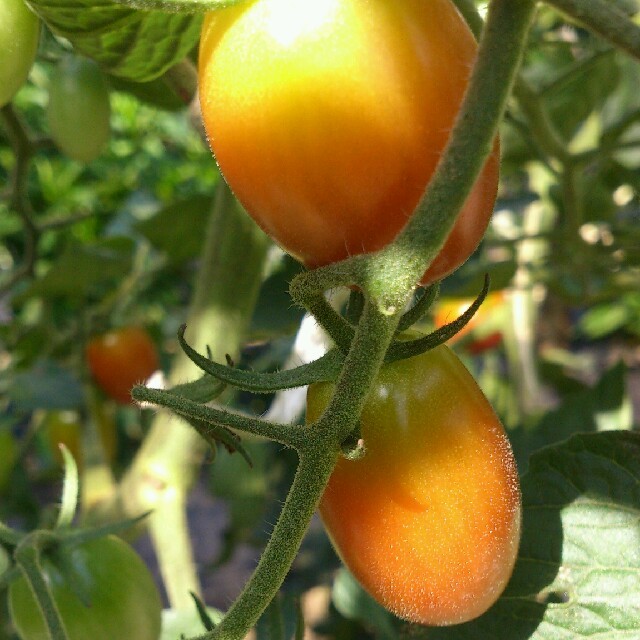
(78, 110)
(19, 32)
(124, 603)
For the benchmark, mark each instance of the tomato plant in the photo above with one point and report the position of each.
(103, 591)
(429, 519)
(327, 120)
(484, 331)
(78, 110)
(19, 33)
(121, 358)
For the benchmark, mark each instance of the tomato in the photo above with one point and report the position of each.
(484, 331)
(19, 33)
(78, 110)
(327, 119)
(123, 598)
(429, 519)
(120, 359)
(65, 427)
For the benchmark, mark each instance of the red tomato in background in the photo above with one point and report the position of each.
(429, 519)
(327, 119)
(121, 358)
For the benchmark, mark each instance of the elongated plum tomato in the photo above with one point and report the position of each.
(19, 33)
(120, 359)
(429, 519)
(121, 600)
(327, 119)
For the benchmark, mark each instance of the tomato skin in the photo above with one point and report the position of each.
(327, 122)
(120, 359)
(124, 600)
(78, 110)
(429, 519)
(19, 35)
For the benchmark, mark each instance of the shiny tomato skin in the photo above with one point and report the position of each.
(121, 358)
(327, 119)
(124, 600)
(429, 519)
(19, 35)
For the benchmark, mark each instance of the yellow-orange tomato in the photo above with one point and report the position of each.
(429, 519)
(121, 358)
(327, 119)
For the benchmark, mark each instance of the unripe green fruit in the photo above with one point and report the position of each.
(78, 111)
(19, 32)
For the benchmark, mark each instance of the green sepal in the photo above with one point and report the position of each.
(400, 350)
(325, 368)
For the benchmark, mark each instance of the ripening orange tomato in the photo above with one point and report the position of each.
(428, 520)
(328, 118)
(121, 358)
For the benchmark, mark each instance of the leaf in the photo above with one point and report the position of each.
(578, 568)
(46, 386)
(131, 44)
(605, 406)
(81, 268)
(179, 228)
(354, 603)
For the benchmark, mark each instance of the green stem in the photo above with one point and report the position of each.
(168, 461)
(311, 477)
(545, 133)
(27, 556)
(605, 19)
(499, 55)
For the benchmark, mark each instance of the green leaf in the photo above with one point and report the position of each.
(184, 623)
(81, 268)
(605, 406)
(354, 603)
(132, 44)
(46, 386)
(179, 228)
(578, 568)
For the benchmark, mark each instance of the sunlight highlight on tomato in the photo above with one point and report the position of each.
(328, 118)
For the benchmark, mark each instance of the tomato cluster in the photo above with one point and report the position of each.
(121, 358)
(327, 119)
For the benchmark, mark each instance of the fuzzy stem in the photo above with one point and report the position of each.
(310, 480)
(499, 55)
(27, 556)
(605, 19)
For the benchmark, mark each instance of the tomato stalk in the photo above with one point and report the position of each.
(27, 556)
(605, 19)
